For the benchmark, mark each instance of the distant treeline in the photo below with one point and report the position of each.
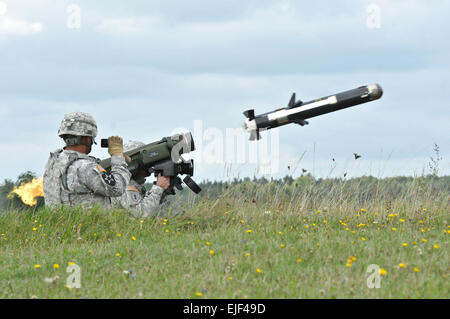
(368, 186)
(306, 188)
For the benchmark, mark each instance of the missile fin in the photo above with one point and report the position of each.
(301, 122)
(292, 101)
(250, 114)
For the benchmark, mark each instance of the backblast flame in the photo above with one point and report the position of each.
(28, 192)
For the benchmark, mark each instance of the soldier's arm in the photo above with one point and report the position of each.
(149, 205)
(111, 184)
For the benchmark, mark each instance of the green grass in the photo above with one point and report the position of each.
(172, 259)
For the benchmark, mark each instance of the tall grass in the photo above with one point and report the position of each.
(245, 239)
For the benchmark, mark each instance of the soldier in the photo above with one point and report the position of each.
(72, 177)
(142, 203)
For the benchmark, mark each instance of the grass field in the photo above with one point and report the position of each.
(234, 246)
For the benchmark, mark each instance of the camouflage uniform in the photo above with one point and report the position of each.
(142, 203)
(73, 178)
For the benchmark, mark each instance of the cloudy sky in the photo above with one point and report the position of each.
(146, 68)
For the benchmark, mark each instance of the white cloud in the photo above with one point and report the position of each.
(128, 26)
(15, 26)
(3, 8)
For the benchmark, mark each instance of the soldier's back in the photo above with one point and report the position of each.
(65, 179)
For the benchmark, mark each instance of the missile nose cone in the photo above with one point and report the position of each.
(375, 91)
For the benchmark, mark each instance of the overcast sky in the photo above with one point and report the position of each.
(145, 68)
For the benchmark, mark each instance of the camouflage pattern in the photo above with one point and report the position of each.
(143, 204)
(78, 124)
(138, 202)
(73, 178)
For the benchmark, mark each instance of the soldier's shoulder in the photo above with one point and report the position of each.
(77, 159)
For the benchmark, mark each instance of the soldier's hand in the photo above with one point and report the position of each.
(163, 181)
(115, 145)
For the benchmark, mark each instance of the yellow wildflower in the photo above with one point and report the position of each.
(383, 272)
(249, 231)
(37, 266)
(70, 263)
(282, 245)
(404, 244)
(211, 252)
(258, 270)
(401, 265)
(198, 294)
(416, 269)
(299, 260)
(56, 266)
(133, 238)
(436, 246)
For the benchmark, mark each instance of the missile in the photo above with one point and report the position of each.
(298, 111)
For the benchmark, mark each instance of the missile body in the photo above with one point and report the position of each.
(298, 111)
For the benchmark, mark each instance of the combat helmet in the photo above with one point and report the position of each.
(78, 124)
(75, 125)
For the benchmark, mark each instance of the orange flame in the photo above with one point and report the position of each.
(29, 191)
